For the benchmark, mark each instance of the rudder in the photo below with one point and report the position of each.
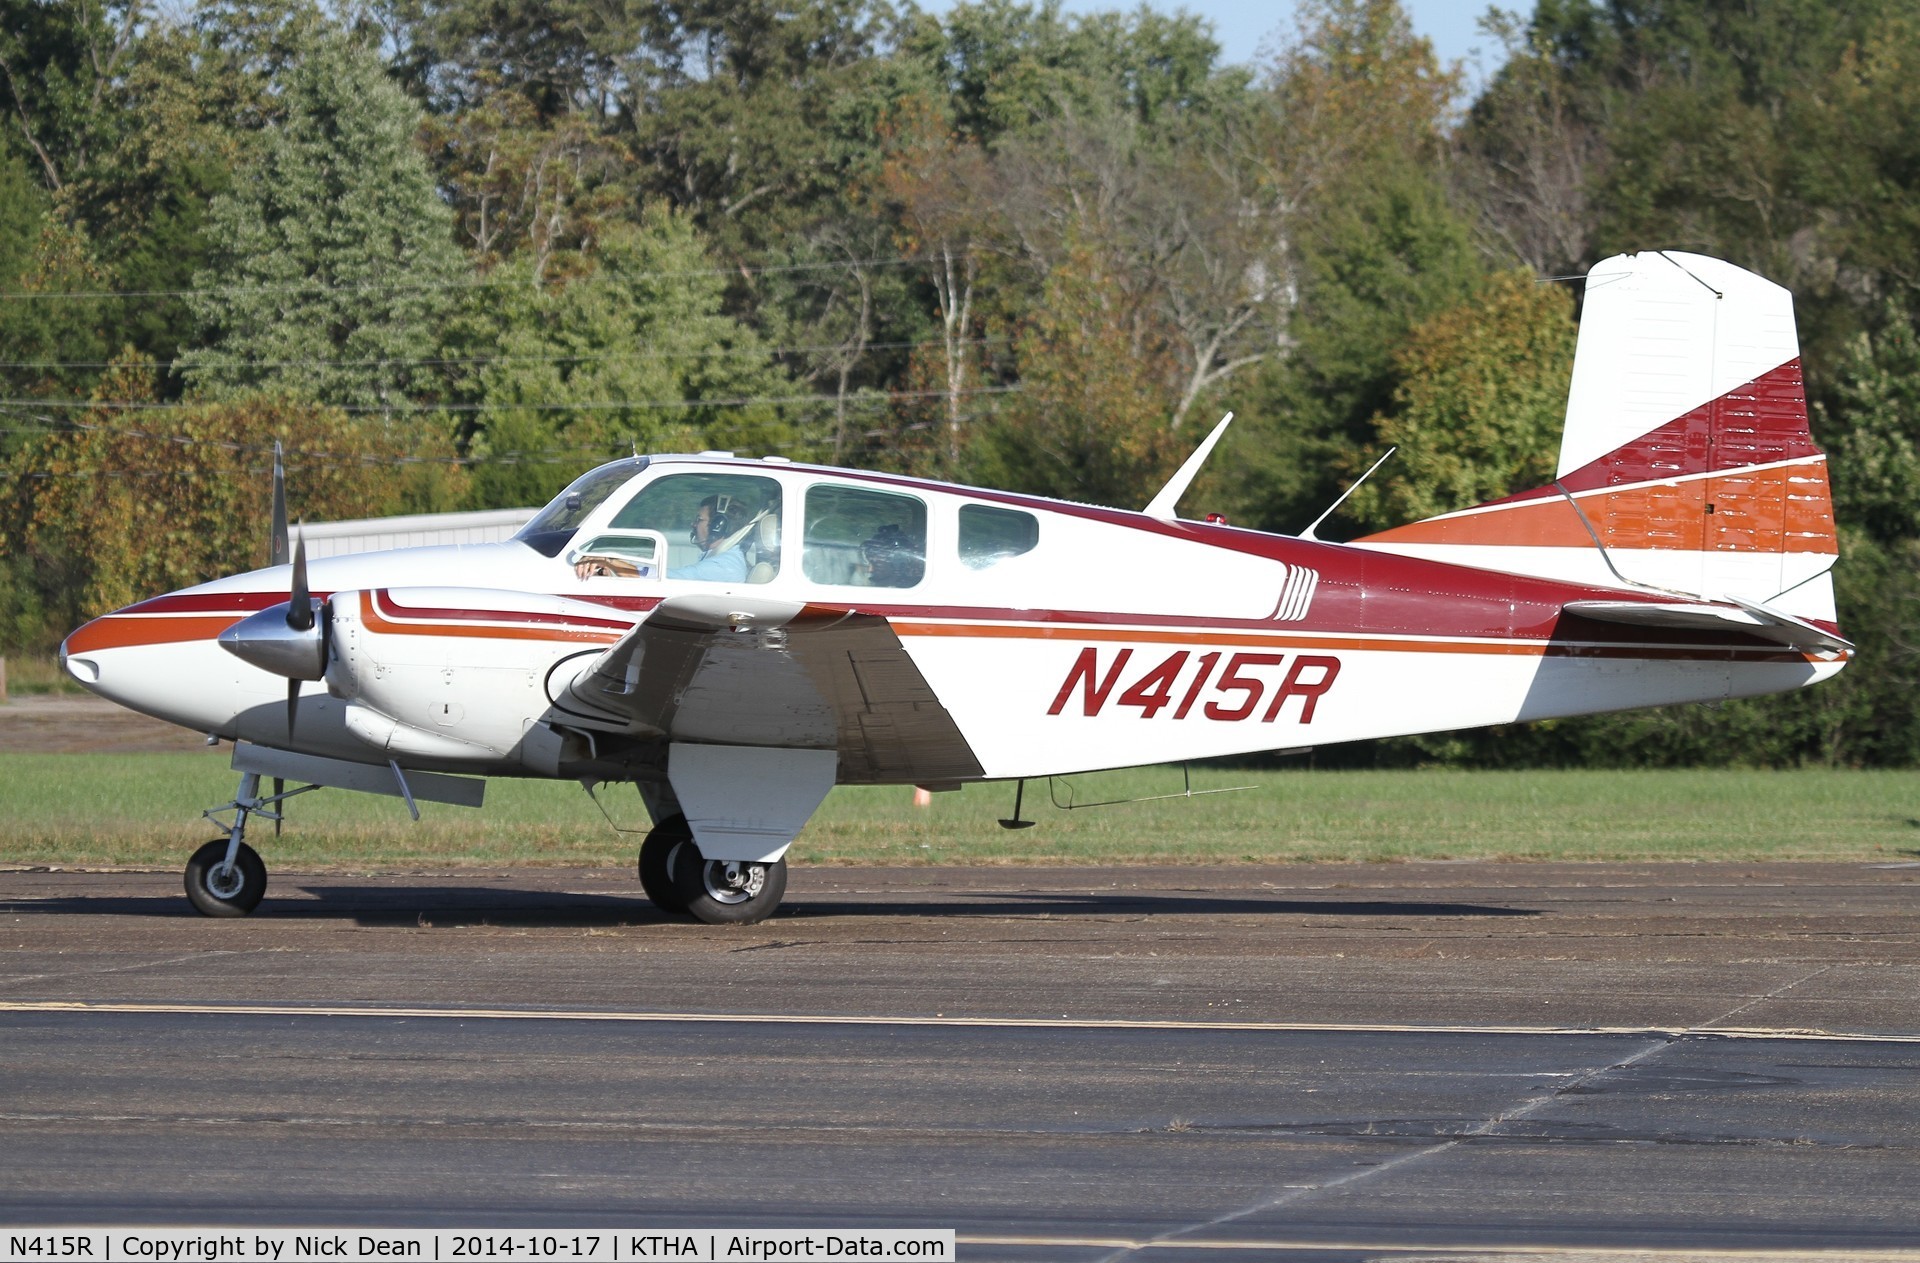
(1686, 449)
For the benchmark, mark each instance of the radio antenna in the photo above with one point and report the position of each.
(1309, 532)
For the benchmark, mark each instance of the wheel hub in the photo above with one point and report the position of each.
(730, 881)
(224, 881)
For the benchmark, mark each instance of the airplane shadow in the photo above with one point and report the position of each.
(458, 907)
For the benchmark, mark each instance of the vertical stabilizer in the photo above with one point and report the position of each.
(1686, 450)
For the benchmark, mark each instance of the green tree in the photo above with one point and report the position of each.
(334, 264)
(635, 353)
(58, 66)
(106, 513)
(1090, 423)
(1480, 403)
(1377, 247)
(1872, 428)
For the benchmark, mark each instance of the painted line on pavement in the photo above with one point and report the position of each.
(1062, 1022)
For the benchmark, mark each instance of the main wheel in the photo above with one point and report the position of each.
(219, 890)
(656, 862)
(727, 892)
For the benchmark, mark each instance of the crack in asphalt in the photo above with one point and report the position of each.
(1299, 1193)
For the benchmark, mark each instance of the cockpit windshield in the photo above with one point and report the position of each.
(554, 525)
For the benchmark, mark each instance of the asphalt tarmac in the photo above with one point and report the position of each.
(1430, 1060)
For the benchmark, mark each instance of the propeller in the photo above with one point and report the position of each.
(288, 639)
(299, 615)
(277, 532)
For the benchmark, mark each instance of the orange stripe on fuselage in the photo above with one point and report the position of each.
(118, 631)
(375, 621)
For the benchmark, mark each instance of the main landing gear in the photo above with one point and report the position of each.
(719, 892)
(226, 878)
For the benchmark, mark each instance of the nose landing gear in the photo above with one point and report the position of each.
(226, 878)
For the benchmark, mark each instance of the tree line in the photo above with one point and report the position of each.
(451, 252)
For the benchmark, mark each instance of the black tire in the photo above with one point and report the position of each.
(708, 895)
(233, 893)
(656, 863)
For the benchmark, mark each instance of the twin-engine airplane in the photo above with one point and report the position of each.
(736, 636)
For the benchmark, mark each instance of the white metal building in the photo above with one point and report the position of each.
(335, 539)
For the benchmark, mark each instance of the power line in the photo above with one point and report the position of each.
(862, 399)
(471, 282)
(303, 458)
(445, 362)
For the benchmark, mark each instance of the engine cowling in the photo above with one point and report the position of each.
(458, 675)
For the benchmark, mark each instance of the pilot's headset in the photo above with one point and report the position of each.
(719, 517)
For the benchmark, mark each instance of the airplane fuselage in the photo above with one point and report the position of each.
(1058, 637)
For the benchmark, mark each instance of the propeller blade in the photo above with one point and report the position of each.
(300, 599)
(293, 705)
(279, 788)
(277, 537)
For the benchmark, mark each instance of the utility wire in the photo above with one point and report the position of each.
(863, 399)
(305, 458)
(471, 282)
(446, 362)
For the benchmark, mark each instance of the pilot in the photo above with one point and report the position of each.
(720, 561)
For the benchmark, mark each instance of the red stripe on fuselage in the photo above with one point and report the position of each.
(394, 609)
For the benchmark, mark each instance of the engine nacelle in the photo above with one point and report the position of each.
(458, 675)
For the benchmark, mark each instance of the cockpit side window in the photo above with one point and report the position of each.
(721, 528)
(864, 538)
(554, 525)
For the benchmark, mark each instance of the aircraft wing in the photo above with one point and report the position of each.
(1736, 615)
(753, 672)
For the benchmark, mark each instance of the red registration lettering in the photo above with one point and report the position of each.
(1154, 690)
(1234, 682)
(1307, 678)
(1085, 669)
(1308, 691)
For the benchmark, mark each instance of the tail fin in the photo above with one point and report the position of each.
(1686, 463)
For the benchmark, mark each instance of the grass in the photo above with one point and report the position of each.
(38, 673)
(144, 809)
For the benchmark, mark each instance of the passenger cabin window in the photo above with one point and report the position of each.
(989, 536)
(719, 528)
(864, 538)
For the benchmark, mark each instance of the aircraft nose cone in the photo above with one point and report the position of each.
(265, 640)
(72, 660)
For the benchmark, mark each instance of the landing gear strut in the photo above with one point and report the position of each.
(225, 878)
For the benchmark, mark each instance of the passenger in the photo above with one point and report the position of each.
(894, 559)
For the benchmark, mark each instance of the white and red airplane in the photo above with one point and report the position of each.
(738, 636)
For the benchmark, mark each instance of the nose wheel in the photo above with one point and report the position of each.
(219, 887)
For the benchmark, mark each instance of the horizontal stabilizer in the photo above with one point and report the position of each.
(1743, 616)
